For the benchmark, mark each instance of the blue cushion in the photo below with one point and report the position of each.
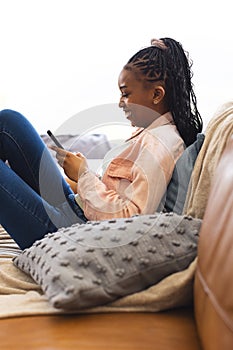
(178, 186)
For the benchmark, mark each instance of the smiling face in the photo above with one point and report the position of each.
(139, 100)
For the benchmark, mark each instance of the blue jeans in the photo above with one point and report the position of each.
(34, 197)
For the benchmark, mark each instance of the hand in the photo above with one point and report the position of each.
(73, 184)
(74, 165)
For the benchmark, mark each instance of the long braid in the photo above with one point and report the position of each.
(166, 61)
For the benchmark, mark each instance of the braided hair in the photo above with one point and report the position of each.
(165, 60)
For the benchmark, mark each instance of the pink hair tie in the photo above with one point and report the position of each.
(158, 43)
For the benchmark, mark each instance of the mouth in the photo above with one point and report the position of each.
(128, 113)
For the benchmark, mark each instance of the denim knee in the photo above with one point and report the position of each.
(7, 116)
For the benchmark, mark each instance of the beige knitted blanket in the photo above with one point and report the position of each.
(218, 131)
(21, 296)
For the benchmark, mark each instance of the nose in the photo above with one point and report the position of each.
(121, 103)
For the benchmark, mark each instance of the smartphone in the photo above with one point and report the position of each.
(55, 140)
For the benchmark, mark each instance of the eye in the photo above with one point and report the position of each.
(124, 94)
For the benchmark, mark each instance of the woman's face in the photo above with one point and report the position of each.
(137, 99)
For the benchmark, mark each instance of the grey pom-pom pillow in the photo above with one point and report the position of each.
(97, 262)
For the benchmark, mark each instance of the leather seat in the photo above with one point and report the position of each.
(214, 280)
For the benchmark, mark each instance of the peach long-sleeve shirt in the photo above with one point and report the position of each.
(136, 179)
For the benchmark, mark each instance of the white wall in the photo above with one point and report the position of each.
(59, 57)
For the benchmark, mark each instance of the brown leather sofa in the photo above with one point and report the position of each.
(213, 290)
(208, 324)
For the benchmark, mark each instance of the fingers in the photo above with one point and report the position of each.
(61, 154)
(64, 153)
(58, 150)
(80, 155)
(70, 162)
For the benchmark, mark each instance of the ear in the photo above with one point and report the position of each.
(159, 93)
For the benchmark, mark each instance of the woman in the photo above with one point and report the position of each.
(157, 97)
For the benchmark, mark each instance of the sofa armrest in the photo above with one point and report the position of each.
(213, 289)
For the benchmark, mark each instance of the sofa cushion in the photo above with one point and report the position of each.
(93, 146)
(178, 185)
(97, 262)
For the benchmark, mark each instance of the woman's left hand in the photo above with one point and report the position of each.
(74, 165)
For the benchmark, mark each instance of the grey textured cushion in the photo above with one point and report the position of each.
(97, 262)
(178, 186)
